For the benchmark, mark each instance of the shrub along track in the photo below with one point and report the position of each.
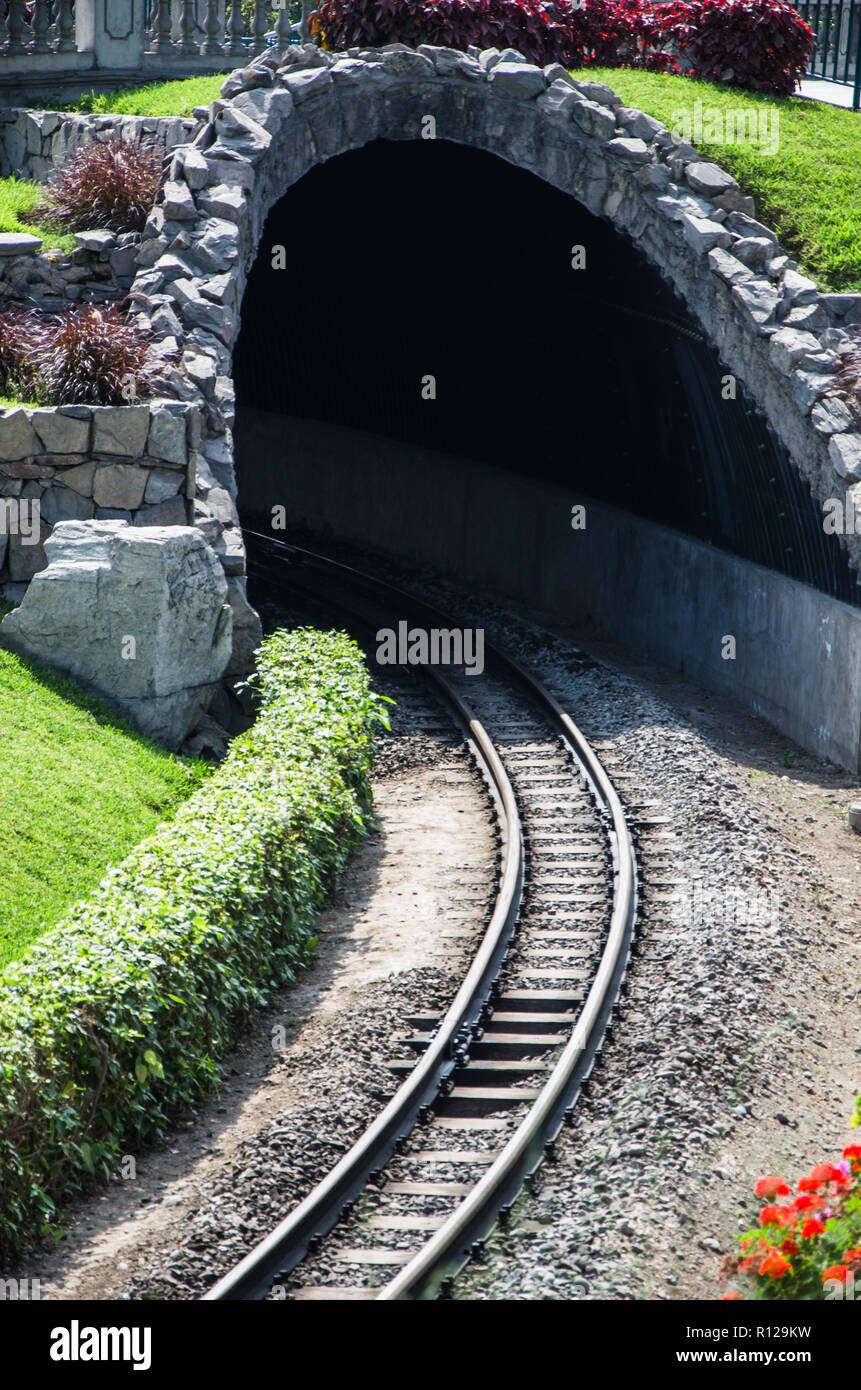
(312, 1070)
(497, 1076)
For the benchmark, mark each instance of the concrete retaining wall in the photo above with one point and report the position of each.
(798, 652)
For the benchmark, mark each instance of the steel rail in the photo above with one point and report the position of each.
(475, 1216)
(288, 1243)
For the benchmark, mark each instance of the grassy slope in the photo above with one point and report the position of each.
(156, 99)
(18, 198)
(78, 789)
(809, 190)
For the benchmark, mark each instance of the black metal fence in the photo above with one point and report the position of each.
(837, 56)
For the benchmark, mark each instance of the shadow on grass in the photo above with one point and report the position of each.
(79, 697)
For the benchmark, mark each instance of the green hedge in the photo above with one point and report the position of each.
(116, 1020)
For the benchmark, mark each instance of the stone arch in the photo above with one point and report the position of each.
(285, 114)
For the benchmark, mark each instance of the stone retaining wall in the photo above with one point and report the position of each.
(80, 462)
(102, 265)
(100, 269)
(32, 143)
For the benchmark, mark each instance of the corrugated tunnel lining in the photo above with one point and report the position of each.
(429, 258)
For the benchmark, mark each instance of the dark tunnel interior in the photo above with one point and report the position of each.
(405, 260)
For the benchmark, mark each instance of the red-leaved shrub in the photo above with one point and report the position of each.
(533, 30)
(760, 44)
(110, 184)
(607, 32)
(763, 45)
(22, 334)
(96, 355)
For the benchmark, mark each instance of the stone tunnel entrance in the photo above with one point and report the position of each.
(456, 354)
(428, 259)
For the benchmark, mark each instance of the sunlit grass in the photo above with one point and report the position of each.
(18, 200)
(808, 189)
(177, 98)
(78, 789)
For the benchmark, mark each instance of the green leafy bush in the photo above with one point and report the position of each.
(116, 1020)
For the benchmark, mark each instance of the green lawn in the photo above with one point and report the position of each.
(155, 99)
(18, 198)
(78, 789)
(808, 190)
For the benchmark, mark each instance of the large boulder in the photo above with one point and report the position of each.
(137, 615)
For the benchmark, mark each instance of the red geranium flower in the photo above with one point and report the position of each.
(835, 1272)
(826, 1172)
(771, 1186)
(774, 1266)
(770, 1216)
(807, 1203)
(811, 1228)
(789, 1246)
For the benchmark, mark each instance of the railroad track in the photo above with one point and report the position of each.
(486, 1087)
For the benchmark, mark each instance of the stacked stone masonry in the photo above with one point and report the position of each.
(80, 463)
(33, 144)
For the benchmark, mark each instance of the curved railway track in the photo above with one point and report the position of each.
(493, 1080)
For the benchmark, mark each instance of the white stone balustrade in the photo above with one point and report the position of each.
(153, 36)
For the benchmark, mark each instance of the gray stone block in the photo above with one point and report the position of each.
(120, 430)
(17, 436)
(59, 433)
(702, 234)
(163, 483)
(178, 203)
(171, 512)
(523, 81)
(167, 435)
(79, 479)
(25, 560)
(63, 504)
(759, 303)
(98, 241)
(19, 244)
(139, 615)
(830, 415)
(303, 86)
(844, 451)
(788, 346)
(120, 485)
(223, 200)
(594, 119)
(708, 179)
